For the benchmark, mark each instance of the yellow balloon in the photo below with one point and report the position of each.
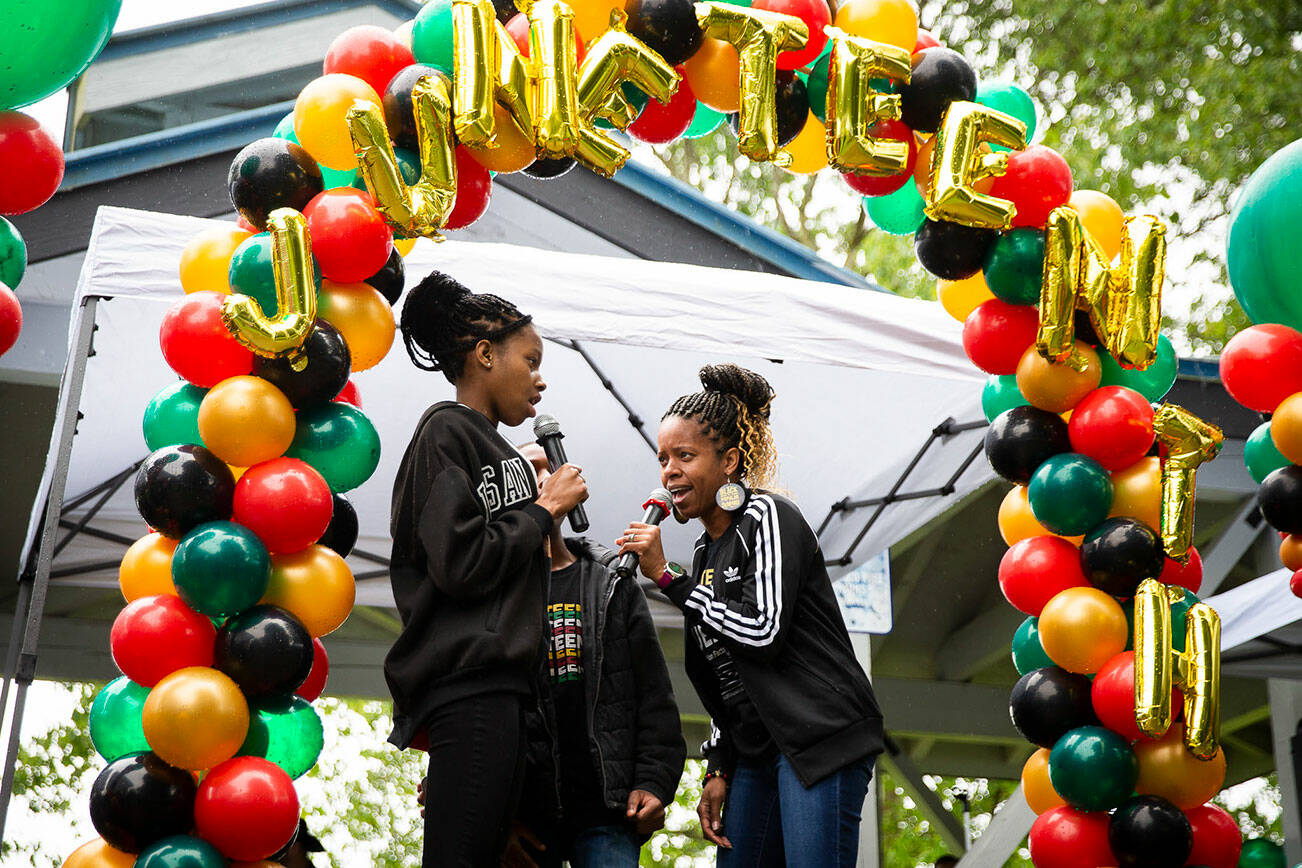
(98, 854)
(1137, 492)
(362, 316)
(146, 568)
(195, 718)
(404, 245)
(1286, 427)
(1039, 791)
(1102, 218)
(206, 260)
(1057, 387)
(402, 33)
(515, 150)
(808, 149)
(320, 118)
(961, 297)
(1017, 522)
(245, 420)
(315, 585)
(1083, 628)
(894, 22)
(1169, 770)
(714, 72)
(592, 17)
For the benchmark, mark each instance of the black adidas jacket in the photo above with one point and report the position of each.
(468, 569)
(766, 592)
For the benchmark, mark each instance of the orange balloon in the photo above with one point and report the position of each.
(1167, 769)
(1102, 218)
(245, 420)
(195, 718)
(714, 72)
(1056, 387)
(1017, 522)
(206, 260)
(315, 585)
(961, 297)
(1039, 792)
(592, 17)
(98, 854)
(321, 117)
(1286, 427)
(1137, 492)
(894, 22)
(362, 316)
(1290, 552)
(1083, 628)
(514, 150)
(808, 149)
(403, 245)
(146, 568)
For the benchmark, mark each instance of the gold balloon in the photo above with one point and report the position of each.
(1124, 303)
(854, 106)
(195, 718)
(961, 297)
(957, 163)
(592, 17)
(98, 854)
(759, 36)
(1017, 522)
(402, 33)
(404, 245)
(553, 62)
(320, 117)
(1286, 427)
(291, 265)
(1166, 769)
(245, 420)
(315, 585)
(363, 317)
(1137, 492)
(807, 150)
(1290, 552)
(894, 22)
(1083, 628)
(206, 260)
(512, 151)
(1057, 387)
(146, 568)
(488, 72)
(714, 72)
(1102, 218)
(1189, 442)
(1036, 786)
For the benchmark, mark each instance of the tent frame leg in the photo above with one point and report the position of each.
(1285, 715)
(1000, 840)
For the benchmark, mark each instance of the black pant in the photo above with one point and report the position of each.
(476, 770)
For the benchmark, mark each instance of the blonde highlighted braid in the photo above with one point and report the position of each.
(733, 408)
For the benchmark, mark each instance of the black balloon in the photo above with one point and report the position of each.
(1280, 499)
(952, 251)
(180, 487)
(792, 105)
(269, 174)
(940, 76)
(667, 26)
(1149, 832)
(1084, 328)
(505, 10)
(546, 170)
(326, 374)
(396, 99)
(1119, 554)
(1047, 703)
(1022, 438)
(390, 280)
(265, 650)
(139, 799)
(341, 535)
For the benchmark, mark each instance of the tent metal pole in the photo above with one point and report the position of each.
(36, 571)
(112, 486)
(633, 418)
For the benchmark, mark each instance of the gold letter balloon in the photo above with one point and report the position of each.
(291, 265)
(853, 106)
(957, 164)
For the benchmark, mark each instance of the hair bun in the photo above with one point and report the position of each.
(750, 388)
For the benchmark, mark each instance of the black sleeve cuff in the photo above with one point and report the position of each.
(539, 515)
(678, 590)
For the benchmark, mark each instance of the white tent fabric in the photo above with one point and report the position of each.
(861, 377)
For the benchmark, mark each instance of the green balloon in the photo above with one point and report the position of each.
(1011, 100)
(1261, 853)
(1153, 382)
(999, 394)
(431, 36)
(286, 732)
(340, 442)
(220, 568)
(408, 166)
(1015, 265)
(1261, 245)
(115, 719)
(705, 121)
(1028, 653)
(816, 86)
(331, 178)
(1093, 768)
(46, 45)
(285, 129)
(250, 272)
(1070, 494)
(1261, 455)
(898, 213)
(172, 416)
(1179, 611)
(13, 254)
(181, 851)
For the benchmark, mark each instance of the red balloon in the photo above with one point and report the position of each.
(350, 238)
(474, 189)
(660, 124)
(1113, 425)
(1037, 181)
(33, 164)
(11, 319)
(1189, 575)
(1295, 584)
(286, 502)
(246, 807)
(1262, 365)
(152, 637)
(369, 52)
(197, 346)
(1113, 696)
(1068, 838)
(870, 186)
(925, 40)
(815, 14)
(315, 682)
(1035, 569)
(1216, 837)
(996, 334)
(518, 27)
(350, 394)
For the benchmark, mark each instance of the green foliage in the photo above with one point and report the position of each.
(908, 837)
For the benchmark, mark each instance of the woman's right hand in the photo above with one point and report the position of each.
(710, 811)
(562, 491)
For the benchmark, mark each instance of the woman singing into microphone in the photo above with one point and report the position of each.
(469, 570)
(795, 724)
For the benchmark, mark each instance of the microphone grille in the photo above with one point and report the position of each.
(662, 495)
(545, 425)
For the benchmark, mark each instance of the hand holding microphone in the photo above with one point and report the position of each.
(640, 542)
(565, 489)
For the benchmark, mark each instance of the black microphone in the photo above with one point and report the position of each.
(548, 432)
(657, 506)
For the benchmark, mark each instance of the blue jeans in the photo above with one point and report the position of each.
(605, 847)
(772, 820)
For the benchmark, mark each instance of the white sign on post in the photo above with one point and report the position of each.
(865, 596)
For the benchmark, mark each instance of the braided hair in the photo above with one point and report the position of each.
(733, 408)
(442, 321)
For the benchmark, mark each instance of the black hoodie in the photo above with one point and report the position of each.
(468, 570)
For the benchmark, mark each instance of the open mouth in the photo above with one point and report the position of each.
(680, 494)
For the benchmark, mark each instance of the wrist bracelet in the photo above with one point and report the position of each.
(715, 773)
